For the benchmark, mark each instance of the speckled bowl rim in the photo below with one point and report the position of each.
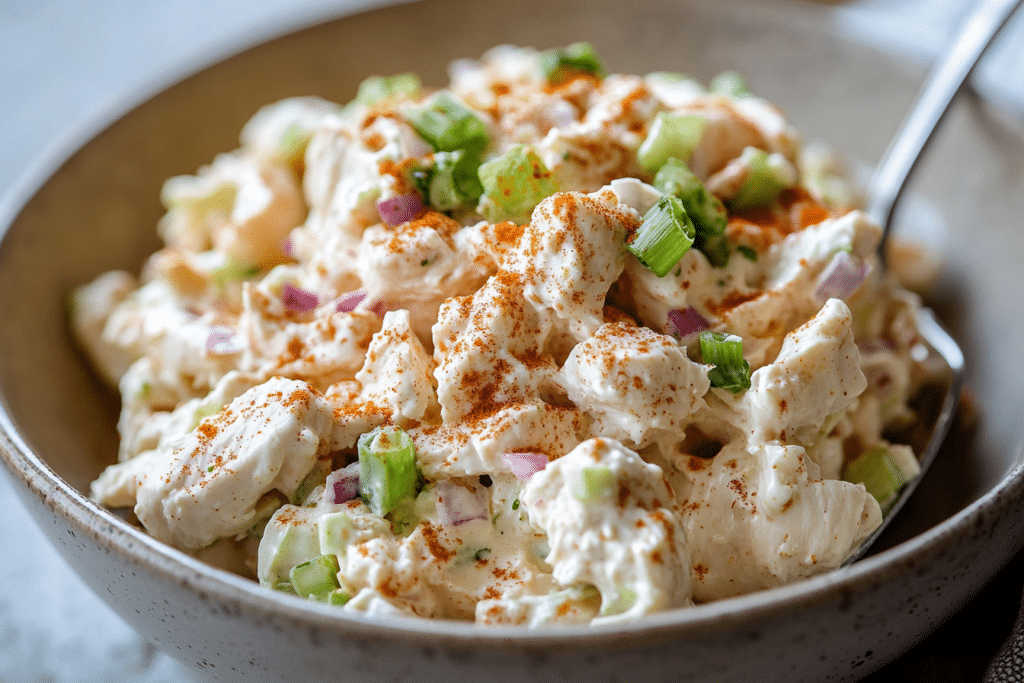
(110, 532)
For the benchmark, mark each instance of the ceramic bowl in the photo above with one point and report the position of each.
(95, 209)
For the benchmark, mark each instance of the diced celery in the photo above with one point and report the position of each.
(515, 183)
(670, 135)
(705, 209)
(377, 88)
(315, 577)
(283, 586)
(387, 468)
(447, 125)
(595, 483)
(337, 597)
(204, 411)
(232, 272)
(625, 600)
(316, 477)
(729, 83)
(335, 529)
(763, 182)
(725, 351)
(881, 475)
(562, 64)
(664, 236)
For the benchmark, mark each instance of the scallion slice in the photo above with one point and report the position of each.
(377, 88)
(725, 351)
(705, 209)
(562, 64)
(665, 234)
(515, 183)
(316, 577)
(880, 473)
(670, 135)
(451, 182)
(387, 468)
(447, 125)
(763, 182)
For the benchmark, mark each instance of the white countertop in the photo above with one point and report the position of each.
(68, 61)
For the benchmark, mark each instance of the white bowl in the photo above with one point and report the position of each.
(98, 211)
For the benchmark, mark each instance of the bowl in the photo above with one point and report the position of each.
(96, 209)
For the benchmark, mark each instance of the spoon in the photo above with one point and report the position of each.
(890, 178)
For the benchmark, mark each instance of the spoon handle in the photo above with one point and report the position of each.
(985, 22)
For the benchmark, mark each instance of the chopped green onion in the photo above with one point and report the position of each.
(763, 182)
(387, 468)
(515, 183)
(880, 474)
(451, 182)
(705, 210)
(625, 599)
(748, 253)
(670, 135)
(515, 504)
(595, 483)
(447, 125)
(562, 64)
(316, 577)
(232, 272)
(725, 352)
(377, 88)
(665, 234)
(729, 83)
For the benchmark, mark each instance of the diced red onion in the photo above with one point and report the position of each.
(687, 321)
(342, 485)
(458, 504)
(347, 302)
(525, 465)
(399, 209)
(299, 300)
(222, 342)
(842, 276)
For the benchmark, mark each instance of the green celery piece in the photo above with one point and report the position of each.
(625, 600)
(762, 184)
(387, 469)
(204, 411)
(729, 83)
(561, 64)
(725, 351)
(337, 597)
(664, 236)
(316, 577)
(515, 182)
(670, 135)
(595, 483)
(447, 125)
(705, 209)
(232, 272)
(334, 530)
(377, 88)
(879, 473)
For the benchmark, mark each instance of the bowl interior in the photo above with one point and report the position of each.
(99, 208)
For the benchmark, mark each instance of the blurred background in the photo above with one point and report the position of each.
(68, 64)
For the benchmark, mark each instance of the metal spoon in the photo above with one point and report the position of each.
(891, 176)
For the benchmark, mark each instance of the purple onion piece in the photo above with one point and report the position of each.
(686, 322)
(399, 209)
(299, 300)
(222, 342)
(342, 485)
(458, 504)
(347, 302)
(525, 465)
(842, 276)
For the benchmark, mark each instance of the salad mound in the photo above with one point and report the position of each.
(546, 345)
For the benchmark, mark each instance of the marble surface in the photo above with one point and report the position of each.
(69, 61)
